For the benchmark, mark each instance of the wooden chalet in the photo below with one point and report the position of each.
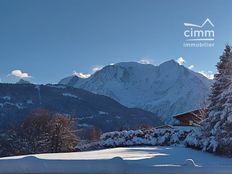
(191, 118)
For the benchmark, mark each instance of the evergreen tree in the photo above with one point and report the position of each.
(218, 124)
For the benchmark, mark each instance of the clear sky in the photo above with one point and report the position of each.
(50, 39)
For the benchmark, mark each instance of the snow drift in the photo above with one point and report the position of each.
(128, 160)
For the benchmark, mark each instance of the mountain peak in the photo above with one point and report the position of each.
(137, 64)
(170, 62)
(169, 66)
(70, 81)
(129, 64)
(22, 81)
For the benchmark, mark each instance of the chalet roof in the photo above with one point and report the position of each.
(165, 126)
(192, 117)
(186, 114)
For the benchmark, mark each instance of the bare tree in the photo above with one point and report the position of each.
(43, 131)
(63, 134)
(94, 134)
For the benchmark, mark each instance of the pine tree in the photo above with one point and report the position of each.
(218, 124)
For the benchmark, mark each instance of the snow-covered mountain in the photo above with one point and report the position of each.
(165, 90)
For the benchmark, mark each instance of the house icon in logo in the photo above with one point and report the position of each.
(196, 32)
(200, 26)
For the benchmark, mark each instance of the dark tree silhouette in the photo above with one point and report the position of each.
(41, 132)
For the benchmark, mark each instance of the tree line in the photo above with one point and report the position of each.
(41, 132)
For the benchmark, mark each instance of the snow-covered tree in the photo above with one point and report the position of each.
(217, 133)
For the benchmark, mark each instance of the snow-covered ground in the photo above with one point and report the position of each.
(134, 159)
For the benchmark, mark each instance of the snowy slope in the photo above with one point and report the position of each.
(165, 90)
(128, 160)
(18, 100)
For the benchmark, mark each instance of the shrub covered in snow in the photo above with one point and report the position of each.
(163, 137)
(194, 140)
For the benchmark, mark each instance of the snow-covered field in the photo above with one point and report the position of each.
(134, 160)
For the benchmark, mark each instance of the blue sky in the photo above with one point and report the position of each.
(50, 39)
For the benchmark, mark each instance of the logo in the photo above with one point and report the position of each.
(199, 35)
